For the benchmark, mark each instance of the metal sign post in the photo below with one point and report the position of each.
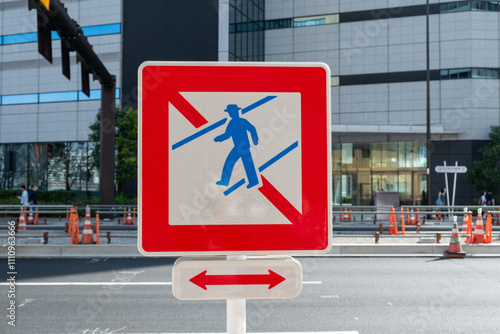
(236, 313)
(455, 170)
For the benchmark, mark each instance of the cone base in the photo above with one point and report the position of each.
(454, 254)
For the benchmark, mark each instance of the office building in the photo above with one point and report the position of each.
(376, 50)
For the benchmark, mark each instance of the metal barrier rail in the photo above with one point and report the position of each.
(45, 236)
(33, 211)
(359, 212)
(115, 212)
(30, 206)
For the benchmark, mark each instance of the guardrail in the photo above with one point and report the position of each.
(370, 214)
(44, 236)
(106, 211)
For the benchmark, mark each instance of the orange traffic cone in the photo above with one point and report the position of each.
(30, 218)
(402, 224)
(74, 229)
(125, 215)
(412, 218)
(129, 218)
(393, 227)
(439, 215)
(433, 217)
(478, 237)
(468, 240)
(36, 217)
(22, 222)
(465, 220)
(87, 235)
(488, 231)
(97, 229)
(455, 248)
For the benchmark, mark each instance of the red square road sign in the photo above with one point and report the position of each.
(234, 158)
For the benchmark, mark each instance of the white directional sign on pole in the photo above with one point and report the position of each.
(254, 278)
(451, 169)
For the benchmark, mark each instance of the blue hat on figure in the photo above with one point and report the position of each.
(232, 107)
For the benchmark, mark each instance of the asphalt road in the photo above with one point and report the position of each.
(368, 295)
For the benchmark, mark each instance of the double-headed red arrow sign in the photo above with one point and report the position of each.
(254, 278)
(202, 279)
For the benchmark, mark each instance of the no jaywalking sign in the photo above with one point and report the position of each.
(234, 158)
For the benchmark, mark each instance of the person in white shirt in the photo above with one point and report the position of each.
(24, 196)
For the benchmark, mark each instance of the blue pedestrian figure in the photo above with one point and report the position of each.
(237, 129)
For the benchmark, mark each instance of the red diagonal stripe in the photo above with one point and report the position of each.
(280, 202)
(187, 110)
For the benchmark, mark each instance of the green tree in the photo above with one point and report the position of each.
(484, 174)
(125, 145)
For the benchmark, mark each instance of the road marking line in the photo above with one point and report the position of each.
(106, 283)
(85, 283)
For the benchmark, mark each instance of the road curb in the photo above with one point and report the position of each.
(347, 250)
(71, 251)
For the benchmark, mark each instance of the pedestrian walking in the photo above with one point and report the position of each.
(24, 196)
(441, 199)
(32, 196)
(490, 199)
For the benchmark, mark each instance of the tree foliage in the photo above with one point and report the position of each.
(125, 144)
(484, 174)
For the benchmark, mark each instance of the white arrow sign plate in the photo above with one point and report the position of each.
(254, 278)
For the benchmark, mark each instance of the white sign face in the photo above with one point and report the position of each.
(254, 278)
(451, 169)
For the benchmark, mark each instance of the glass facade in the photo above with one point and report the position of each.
(360, 170)
(49, 166)
(30, 37)
(462, 6)
(68, 96)
(246, 36)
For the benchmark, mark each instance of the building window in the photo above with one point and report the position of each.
(359, 170)
(246, 27)
(467, 73)
(462, 6)
(49, 166)
(50, 97)
(315, 20)
(30, 37)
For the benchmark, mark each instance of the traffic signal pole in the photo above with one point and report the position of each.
(52, 15)
(107, 139)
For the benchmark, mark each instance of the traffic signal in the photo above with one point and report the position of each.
(44, 35)
(53, 16)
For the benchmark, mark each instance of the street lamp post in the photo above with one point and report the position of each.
(428, 111)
